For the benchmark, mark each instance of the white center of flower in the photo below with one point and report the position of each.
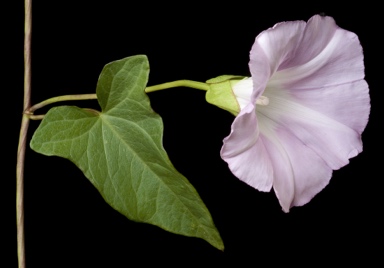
(243, 92)
(262, 100)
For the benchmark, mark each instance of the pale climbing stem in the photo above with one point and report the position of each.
(23, 136)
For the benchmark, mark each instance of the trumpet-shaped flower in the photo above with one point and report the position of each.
(302, 111)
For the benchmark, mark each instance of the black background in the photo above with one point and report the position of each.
(68, 224)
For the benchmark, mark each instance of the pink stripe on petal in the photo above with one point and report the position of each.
(348, 104)
(340, 61)
(276, 43)
(315, 36)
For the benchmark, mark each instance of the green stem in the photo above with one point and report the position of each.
(23, 135)
(179, 83)
(58, 99)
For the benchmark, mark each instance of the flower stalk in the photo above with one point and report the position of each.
(29, 110)
(179, 83)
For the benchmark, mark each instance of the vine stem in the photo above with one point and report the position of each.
(23, 135)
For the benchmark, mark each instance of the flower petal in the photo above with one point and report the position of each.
(270, 48)
(245, 153)
(318, 36)
(325, 55)
(347, 103)
(332, 81)
(313, 75)
(302, 56)
(299, 173)
(318, 89)
(331, 140)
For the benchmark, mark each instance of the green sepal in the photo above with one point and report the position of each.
(221, 94)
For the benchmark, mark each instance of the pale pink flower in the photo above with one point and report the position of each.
(302, 111)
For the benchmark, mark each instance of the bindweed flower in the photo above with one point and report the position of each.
(301, 113)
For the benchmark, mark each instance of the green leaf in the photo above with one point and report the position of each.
(120, 151)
